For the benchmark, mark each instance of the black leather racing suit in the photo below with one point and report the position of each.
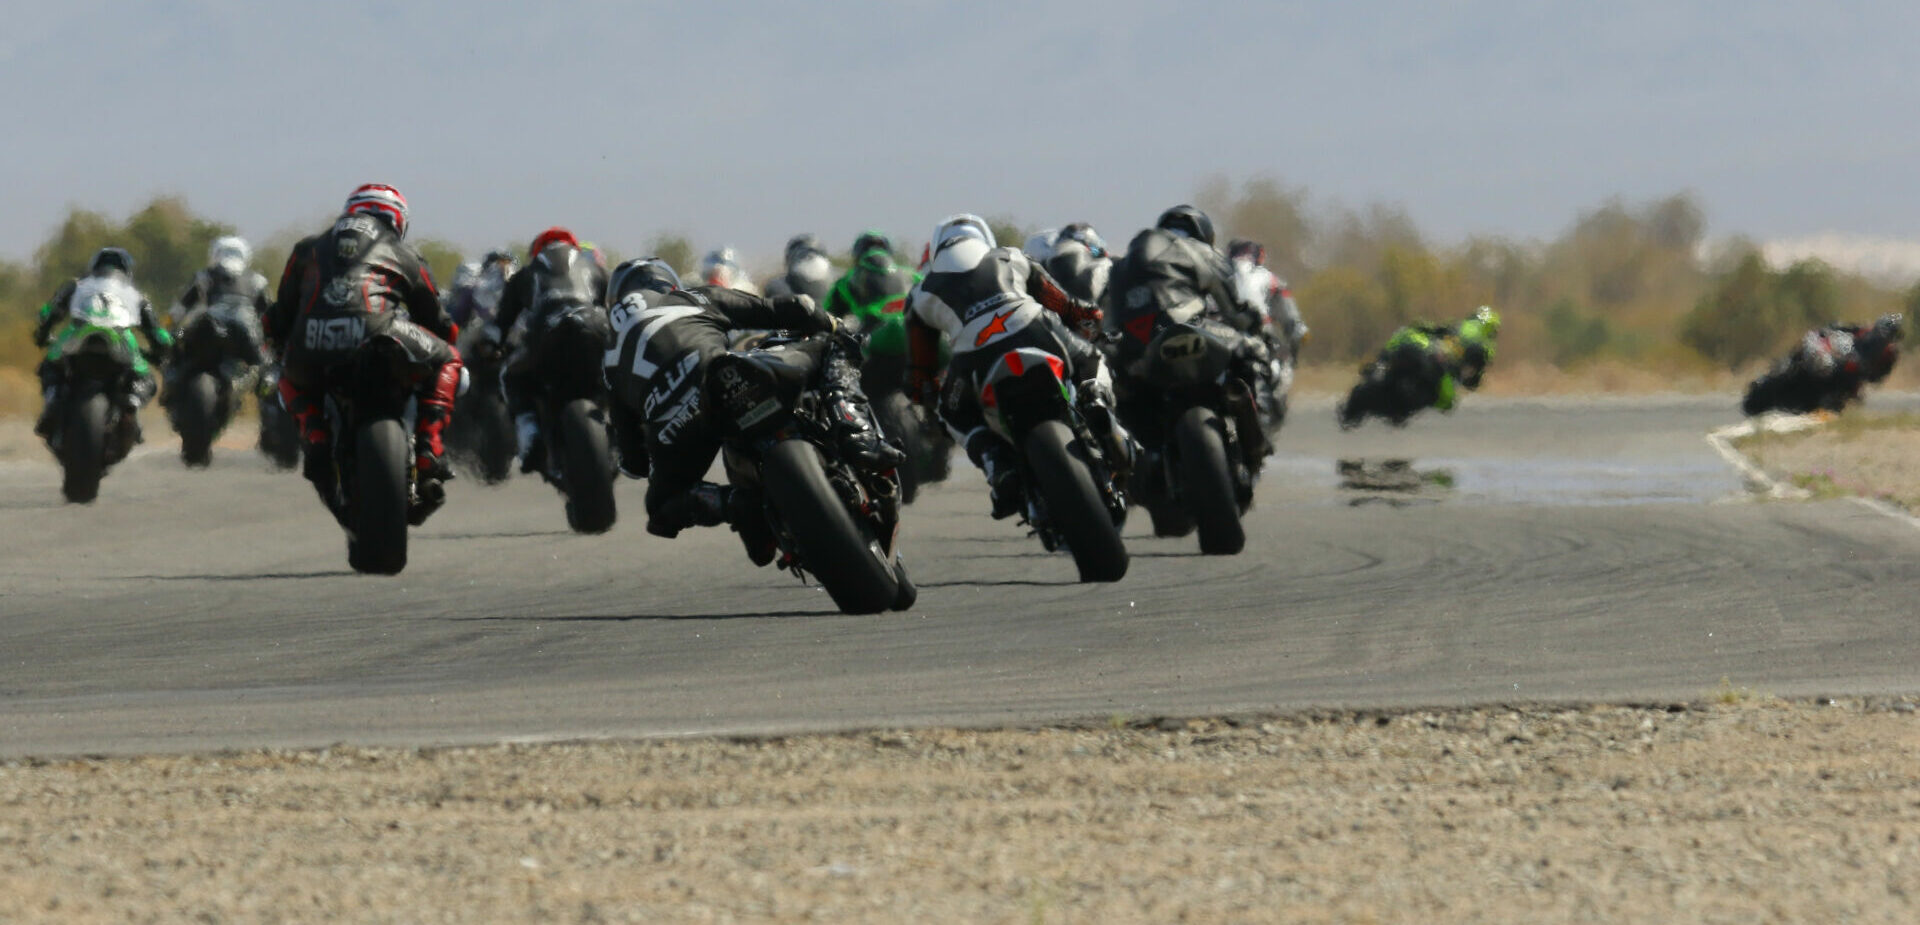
(657, 372)
(1164, 279)
(355, 281)
(213, 286)
(560, 279)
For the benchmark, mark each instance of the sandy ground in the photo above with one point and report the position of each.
(1736, 808)
(1874, 455)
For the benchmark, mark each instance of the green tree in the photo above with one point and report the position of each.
(676, 250)
(1740, 319)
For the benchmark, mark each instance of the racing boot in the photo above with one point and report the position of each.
(854, 428)
(430, 469)
(746, 511)
(703, 505)
(50, 409)
(996, 459)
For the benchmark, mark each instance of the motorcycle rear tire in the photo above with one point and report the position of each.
(1065, 480)
(380, 494)
(587, 466)
(902, 427)
(840, 551)
(83, 448)
(196, 414)
(1206, 482)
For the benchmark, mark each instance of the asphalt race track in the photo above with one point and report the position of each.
(1585, 550)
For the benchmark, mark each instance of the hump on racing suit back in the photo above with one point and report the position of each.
(1161, 274)
(354, 288)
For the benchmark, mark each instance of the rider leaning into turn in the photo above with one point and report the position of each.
(664, 337)
(361, 275)
(987, 300)
(561, 275)
(108, 286)
(1443, 357)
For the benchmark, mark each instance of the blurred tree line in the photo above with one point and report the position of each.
(1629, 282)
(1626, 282)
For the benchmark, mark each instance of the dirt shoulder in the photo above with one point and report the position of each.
(1738, 808)
(1858, 453)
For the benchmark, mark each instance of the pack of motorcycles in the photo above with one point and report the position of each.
(828, 516)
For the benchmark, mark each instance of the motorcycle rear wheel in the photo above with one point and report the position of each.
(1206, 482)
(83, 448)
(587, 465)
(380, 490)
(196, 415)
(1075, 509)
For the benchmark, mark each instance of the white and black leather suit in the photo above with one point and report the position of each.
(662, 343)
(213, 286)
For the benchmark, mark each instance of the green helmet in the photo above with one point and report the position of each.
(1484, 323)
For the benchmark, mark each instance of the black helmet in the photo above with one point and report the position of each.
(1188, 221)
(869, 240)
(111, 258)
(1243, 249)
(1084, 233)
(497, 257)
(649, 273)
(801, 245)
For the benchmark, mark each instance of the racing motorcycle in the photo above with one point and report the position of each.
(1827, 371)
(827, 516)
(1405, 382)
(1070, 461)
(575, 457)
(481, 436)
(907, 425)
(370, 407)
(1211, 425)
(201, 380)
(106, 382)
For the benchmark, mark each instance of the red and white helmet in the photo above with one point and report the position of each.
(383, 201)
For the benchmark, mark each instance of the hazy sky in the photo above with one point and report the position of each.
(746, 122)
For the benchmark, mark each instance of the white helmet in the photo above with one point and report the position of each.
(231, 254)
(960, 242)
(722, 268)
(1040, 245)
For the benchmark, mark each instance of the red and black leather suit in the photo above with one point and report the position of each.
(360, 268)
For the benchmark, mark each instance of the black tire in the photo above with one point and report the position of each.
(902, 427)
(1765, 394)
(840, 551)
(587, 466)
(907, 593)
(379, 516)
(1168, 517)
(83, 449)
(1074, 506)
(1206, 482)
(495, 442)
(196, 415)
(279, 435)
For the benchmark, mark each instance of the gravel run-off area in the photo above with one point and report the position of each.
(1738, 807)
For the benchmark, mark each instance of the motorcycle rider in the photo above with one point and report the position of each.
(664, 337)
(362, 269)
(1865, 351)
(1262, 288)
(809, 271)
(1172, 273)
(1077, 258)
(988, 300)
(722, 268)
(872, 296)
(1432, 361)
(475, 296)
(109, 278)
(561, 275)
